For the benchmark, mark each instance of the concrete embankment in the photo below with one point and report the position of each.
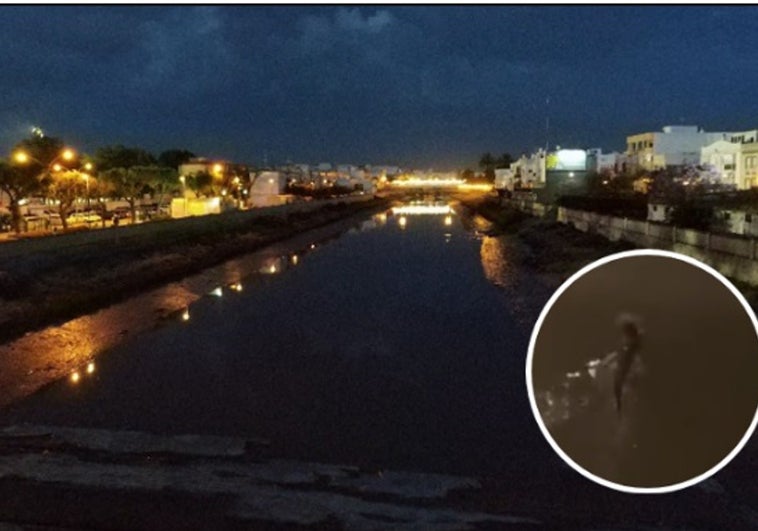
(48, 280)
(558, 249)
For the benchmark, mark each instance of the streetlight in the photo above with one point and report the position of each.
(23, 157)
(183, 180)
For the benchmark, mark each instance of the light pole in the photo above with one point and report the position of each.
(23, 157)
(88, 168)
(183, 179)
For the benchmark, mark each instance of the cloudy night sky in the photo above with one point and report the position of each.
(416, 86)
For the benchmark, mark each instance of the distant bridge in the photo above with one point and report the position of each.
(417, 183)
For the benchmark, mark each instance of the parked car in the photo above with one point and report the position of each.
(87, 217)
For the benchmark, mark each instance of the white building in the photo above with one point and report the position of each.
(530, 170)
(505, 179)
(267, 188)
(727, 159)
(675, 145)
(720, 159)
(612, 163)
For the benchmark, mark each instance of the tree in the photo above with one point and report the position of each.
(467, 174)
(504, 161)
(41, 150)
(162, 181)
(66, 187)
(487, 163)
(100, 190)
(19, 183)
(173, 158)
(201, 183)
(21, 178)
(129, 183)
(118, 156)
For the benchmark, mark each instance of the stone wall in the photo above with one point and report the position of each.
(732, 255)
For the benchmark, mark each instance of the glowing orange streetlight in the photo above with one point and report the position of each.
(23, 157)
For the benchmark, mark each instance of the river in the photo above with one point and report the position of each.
(391, 342)
(385, 347)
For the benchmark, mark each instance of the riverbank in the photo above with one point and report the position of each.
(554, 250)
(551, 250)
(39, 289)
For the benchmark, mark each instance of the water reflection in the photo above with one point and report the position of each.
(237, 286)
(55, 353)
(527, 293)
(496, 262)
(423, 208)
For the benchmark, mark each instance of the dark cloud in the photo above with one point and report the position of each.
(412, 85)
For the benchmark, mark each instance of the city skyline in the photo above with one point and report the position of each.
(420, 87)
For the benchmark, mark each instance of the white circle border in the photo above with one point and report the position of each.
(530, 388)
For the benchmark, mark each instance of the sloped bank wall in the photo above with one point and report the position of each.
(732, 255)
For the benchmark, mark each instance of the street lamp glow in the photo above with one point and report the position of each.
(68, 154)
(88, 166)
(21, 157)
(75, 377)
(57, 167)
(218, 168)
(90, 367)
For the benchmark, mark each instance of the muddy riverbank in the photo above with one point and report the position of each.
(553, 250)
(40, 289)
(556, 251)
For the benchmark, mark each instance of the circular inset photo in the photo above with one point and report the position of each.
(642, 371)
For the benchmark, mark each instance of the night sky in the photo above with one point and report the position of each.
(422, 86)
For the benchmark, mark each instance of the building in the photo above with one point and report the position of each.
(267, 188)
(720, 160)
(505, 179)
(729, 161)
(613, 163)
(529, 170)
(675, 145)
(747, 162)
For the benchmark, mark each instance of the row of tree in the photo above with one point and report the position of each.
(487, 164)
(36, 168)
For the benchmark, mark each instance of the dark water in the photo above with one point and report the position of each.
(386, 347)
(389, 347)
